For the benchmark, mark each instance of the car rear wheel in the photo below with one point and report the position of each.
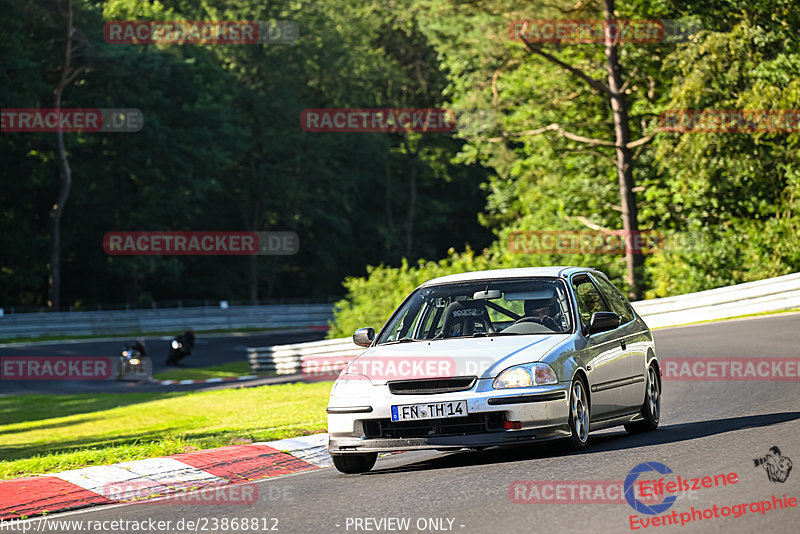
(578, 416)
(651, 409)
(353, 464)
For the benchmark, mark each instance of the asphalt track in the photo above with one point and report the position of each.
(707, 428)
(211, 349)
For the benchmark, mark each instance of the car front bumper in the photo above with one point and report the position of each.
(487, 439)
(542, 413)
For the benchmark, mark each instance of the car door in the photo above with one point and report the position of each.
(634, 337)
(607, 363)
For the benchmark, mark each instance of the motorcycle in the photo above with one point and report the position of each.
(180, 347)
(133, 362)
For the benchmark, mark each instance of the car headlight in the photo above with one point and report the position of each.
(350, 385)
(526, 375)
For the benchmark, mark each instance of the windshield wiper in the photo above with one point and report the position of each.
(506, 334)
(402, 340)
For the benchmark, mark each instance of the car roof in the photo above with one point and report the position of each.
(495, 274)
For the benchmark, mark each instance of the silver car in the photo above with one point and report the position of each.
(496, 358)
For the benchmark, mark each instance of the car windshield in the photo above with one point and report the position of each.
(472, 309)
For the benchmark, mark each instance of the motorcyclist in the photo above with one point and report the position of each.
(188, 341)
(181, 347)
(133, 360)
(140, 346)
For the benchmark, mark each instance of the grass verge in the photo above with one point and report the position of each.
(49, 433)
(202, 373)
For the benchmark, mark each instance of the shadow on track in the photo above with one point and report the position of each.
(600, 443)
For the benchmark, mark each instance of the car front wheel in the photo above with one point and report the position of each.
(651, 409)
(353, 464)
(578, 416)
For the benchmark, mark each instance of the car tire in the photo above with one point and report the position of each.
(578, 416)
(353, 464)
(651, 409)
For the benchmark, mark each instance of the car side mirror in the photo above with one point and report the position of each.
(603, 321)
(363, 336)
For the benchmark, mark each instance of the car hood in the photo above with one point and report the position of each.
(483, 357)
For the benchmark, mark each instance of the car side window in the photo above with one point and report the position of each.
(407, 323)
(395, 335)
(432, 320)
(589, 299)
(619, 304)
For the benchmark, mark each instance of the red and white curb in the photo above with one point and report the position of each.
(312, 449)
(140, 480)
(206, 381)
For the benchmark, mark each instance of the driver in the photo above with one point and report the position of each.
(537, 309)
(542, 311)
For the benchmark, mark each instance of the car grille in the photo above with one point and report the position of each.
(428, 386)
(471, 424)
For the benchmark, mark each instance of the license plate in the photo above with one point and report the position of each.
(430, 410)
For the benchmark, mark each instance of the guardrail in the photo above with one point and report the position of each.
(773, 294)
(163, 320)
(313, 358)
(770, 295)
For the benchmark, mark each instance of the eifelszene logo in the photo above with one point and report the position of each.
(777, 467)
(669, 488)
(630, 496)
